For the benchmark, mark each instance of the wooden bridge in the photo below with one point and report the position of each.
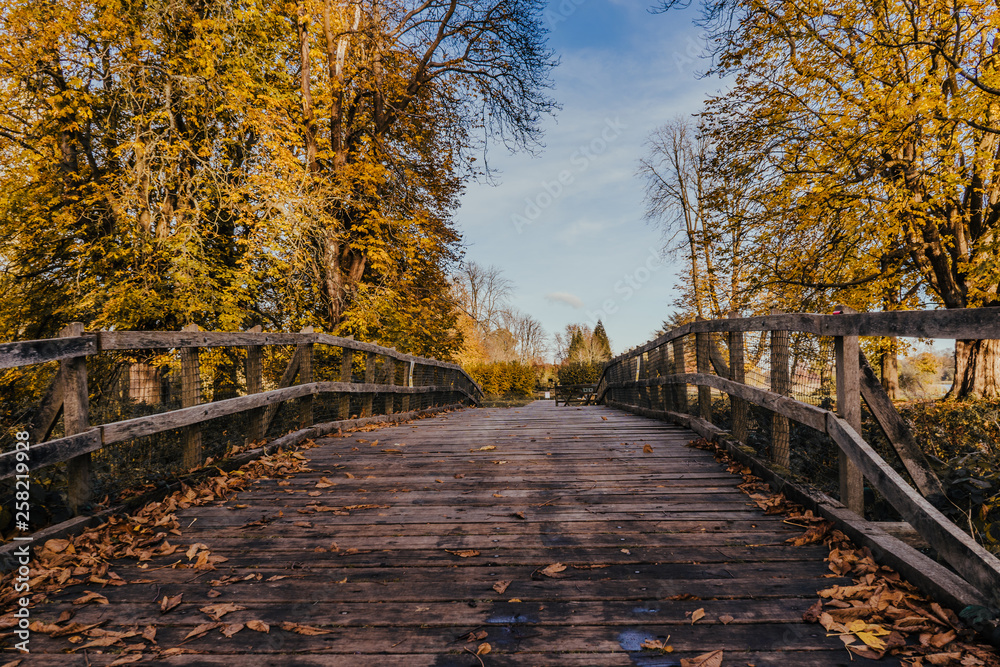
(571, 535)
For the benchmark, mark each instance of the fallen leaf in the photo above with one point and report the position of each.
(726, 619)
(90, 596)
(501, 586)
(657, 645)
(464, 553)
(552, 570)
(697, 615)
(217, 611)
(127, 659)
(713, 659)
(307, 630)
(259, 626)
(202, 629)
(231, 629)
(483, 649)
(647, 449)
(475, 636)
(484, 448)
(212, 593)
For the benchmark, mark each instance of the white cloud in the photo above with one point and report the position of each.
(567, 298)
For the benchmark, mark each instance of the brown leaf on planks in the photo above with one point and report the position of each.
(307, 630)
(484, 648)
(697, 615)
(726, 619)
(647, 449)
(202, 629)
(712, 659)
(259, 626)
(553, 570)
(127, 659)
(501, 586)
(657, 645)
(217, 611)
(231, 629)
(90, 596)
(464, 553)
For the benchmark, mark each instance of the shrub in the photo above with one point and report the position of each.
(504, 378)
(580, 373)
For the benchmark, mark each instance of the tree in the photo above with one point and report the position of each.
(880, 153)
(277, 163)
(601, 342)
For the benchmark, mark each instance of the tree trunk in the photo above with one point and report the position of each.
(977, 369)
(890, 368)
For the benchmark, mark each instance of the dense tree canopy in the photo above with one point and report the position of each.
(229, 164)
(864, 136)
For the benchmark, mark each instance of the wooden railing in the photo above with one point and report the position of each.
(402, 376)
(653, 379)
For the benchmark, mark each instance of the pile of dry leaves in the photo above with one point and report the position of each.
(880, 614)
(85, 558)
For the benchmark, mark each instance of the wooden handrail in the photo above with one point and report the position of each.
(854, 380)
(69, 390)
(960, 323)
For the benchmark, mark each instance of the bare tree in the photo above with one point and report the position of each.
(483, 293)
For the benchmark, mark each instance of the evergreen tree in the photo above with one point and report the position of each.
(601, 344)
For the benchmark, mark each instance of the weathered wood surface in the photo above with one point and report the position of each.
(563, 485)
(978, 566)
(962, 323)
(30, 352)
(898, 433)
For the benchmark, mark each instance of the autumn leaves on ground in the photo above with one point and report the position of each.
(387, 515)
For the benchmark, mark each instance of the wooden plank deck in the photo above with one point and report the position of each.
(567, 485)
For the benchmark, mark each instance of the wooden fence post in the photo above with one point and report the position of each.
(346, 375)
(846, 350)
(389, 377)
(737, 372)
(255, 385)
(366, 405)
(701, 343)
(680, 389)
(306, 377)
(780, 384)
(76, 419)
(407, 382)
(191, 396)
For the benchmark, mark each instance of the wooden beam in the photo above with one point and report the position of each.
(287, 378)
(852, 484)
(142, 426)
(191, 396)
(76, 419)
(255, 385)
(780, 384)
(30, 352)
(702, 361)
(53, 451)
(305, 351)
(680, 391)
(367, 400)
(49, 409)
(898, 433)
(960, 323)
(978, 566)
(346, 375)
(737, 406)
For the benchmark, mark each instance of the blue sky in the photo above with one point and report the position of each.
(567, 224)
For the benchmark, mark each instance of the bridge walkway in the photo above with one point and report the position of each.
(544, 535)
